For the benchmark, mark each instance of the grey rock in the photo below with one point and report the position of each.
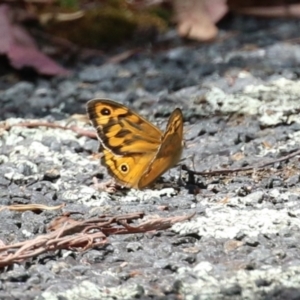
(94, 74)
(134, 246)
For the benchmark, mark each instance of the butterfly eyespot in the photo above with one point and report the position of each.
(105, 111)
(124, 168)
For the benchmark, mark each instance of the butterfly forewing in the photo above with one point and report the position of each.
(121, 130)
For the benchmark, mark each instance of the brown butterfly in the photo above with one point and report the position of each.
(135, 151)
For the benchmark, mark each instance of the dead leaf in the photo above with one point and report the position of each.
(237, 156)
(266, 8)
(21, 49)
(193, 250)
(267, 145)
(32, 207)
(196, 18)
(224, 200)
(71, 234)
(45, 18)
(231, 245)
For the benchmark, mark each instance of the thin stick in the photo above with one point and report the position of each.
(79, 131)
(250, 168)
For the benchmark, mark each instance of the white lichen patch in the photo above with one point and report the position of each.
(228, 223)
(206, 286)
(88, 290)
(147, 195)
(274, 103)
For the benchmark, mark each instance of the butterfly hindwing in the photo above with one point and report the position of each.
(128, 169)
(169, 152)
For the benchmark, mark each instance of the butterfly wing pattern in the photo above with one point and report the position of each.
(135, 151)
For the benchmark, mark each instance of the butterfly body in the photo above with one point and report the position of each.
(135, 151)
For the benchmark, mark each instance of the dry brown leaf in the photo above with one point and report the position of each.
(71, 234)
(45, 18)
(237, 156)
(231, 245)
(21, 49)
(192, 250)
(285, 10)
(32, 207)
(224, 200)
(196, 18)
(267, 145)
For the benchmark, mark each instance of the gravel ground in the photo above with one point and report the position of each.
(240, 100)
